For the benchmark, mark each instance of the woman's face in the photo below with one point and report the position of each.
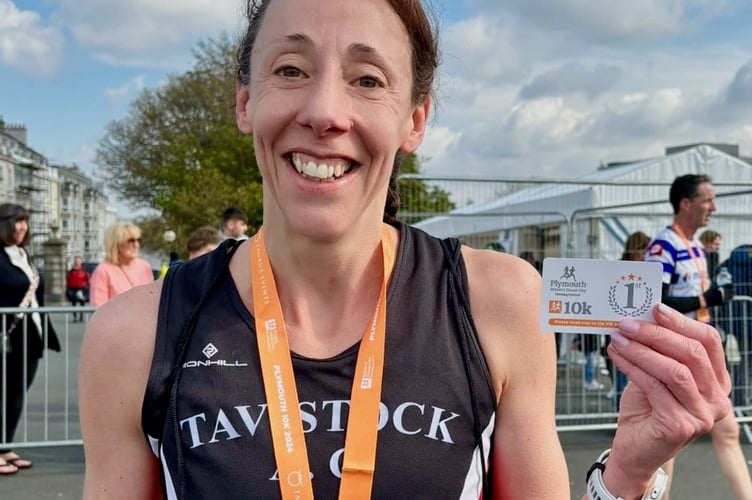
(329, 105)
(22, 227)
(128, 248)
(715, 245)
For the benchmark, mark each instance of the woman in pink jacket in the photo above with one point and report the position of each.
(122, 269)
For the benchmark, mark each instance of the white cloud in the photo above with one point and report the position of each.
(146, 32)
(117, 95)
(26, 43)
(573, 78)
(438, 143)
(612, 21)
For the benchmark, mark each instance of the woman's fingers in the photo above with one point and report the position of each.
(701, 332)
(686, 358)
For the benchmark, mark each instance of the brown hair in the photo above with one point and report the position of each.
(10, 213)
(707, 237)
(424, 44)
(635, 246)
(205, 235)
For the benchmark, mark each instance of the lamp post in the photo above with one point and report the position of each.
(169, 236)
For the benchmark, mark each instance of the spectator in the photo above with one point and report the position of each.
(22, 340)
(122, 269)
(174, 261)
(77, 286)
(688, 289)
(711, 243)
(202, 241)
(234, 224)
(735, 319)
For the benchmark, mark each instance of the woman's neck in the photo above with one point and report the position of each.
(125, 261)
(327, 291)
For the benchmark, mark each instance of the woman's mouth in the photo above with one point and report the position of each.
(321, 170)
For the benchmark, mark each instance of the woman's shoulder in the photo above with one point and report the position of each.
(115, 325)
(505, 296)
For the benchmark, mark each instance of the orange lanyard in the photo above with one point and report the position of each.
(282, 396)
(703, 314)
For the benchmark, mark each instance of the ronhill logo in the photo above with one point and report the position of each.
(209, 351)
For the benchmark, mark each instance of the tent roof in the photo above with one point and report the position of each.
(554, 201)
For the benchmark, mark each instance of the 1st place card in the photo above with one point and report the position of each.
(591, 296)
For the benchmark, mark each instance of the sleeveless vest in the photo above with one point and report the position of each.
(205, 413)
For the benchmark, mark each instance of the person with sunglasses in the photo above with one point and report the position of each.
(122, 268)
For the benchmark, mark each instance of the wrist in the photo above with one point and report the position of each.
(607, 480)
(703, 302)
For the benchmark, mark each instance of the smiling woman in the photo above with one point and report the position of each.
(122, 269)
(335, 355)
(22, 336)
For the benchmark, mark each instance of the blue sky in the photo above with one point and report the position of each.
(545, 88)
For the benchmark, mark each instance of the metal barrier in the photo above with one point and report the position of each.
(579, 407)
(50, 409)
(50, 415)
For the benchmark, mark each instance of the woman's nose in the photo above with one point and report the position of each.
(327, 107)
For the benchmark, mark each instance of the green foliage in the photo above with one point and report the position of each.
(180, 153)
(419, 197)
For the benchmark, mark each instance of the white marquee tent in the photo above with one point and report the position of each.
(596, 214)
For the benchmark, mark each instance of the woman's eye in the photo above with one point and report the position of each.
(369, 82)
(289, 72)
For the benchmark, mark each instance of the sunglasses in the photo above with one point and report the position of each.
(133, 240)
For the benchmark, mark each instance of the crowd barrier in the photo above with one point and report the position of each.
(51, 416)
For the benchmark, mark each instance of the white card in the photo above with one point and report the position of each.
(591, 296)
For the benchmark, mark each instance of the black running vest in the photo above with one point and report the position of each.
(205, 414)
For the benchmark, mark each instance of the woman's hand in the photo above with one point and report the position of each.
(678, 389)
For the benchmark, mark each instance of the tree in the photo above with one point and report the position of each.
(179, 151)
(417, 196)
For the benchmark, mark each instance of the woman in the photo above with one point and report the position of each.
(711, 243)
(77, 286)
(349, 324)
(20, 286)
(122, 269)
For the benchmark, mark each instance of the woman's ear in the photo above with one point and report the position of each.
(243, 116)
(419, 120)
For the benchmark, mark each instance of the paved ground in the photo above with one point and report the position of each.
(58, 472)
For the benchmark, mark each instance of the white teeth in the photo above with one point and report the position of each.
(319, 171)
(310, 169)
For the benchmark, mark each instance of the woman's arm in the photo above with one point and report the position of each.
(115, 362)
(505, 298)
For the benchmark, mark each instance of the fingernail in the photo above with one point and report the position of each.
(628, 326)
(619, 339)
(664, 310)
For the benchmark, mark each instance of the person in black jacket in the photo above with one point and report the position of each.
(20, 285)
